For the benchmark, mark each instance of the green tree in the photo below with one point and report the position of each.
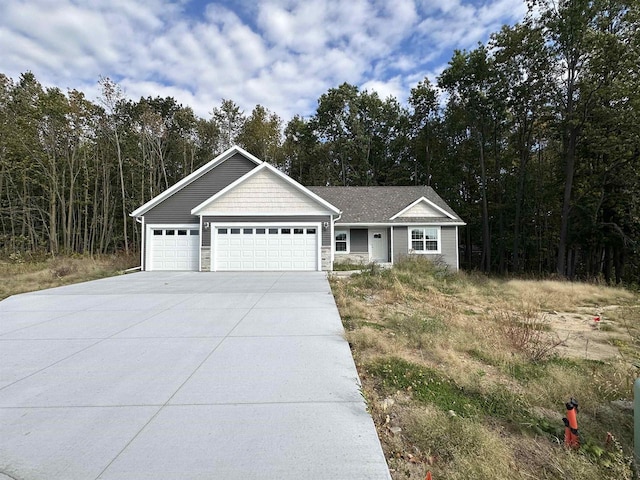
(111, 97)
(364, 137)
(469, 79)
(523, 69)
(229, 120)
(261, 135)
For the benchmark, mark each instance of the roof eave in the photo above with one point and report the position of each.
(459, 223)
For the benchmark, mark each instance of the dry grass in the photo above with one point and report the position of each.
(22, 275)
(464, 377)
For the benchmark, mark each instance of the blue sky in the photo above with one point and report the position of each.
(282, 54)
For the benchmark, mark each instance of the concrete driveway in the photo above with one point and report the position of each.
(159, 375)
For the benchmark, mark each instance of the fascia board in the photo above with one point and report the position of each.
(403, 224)
(429, 202)
(244, 213)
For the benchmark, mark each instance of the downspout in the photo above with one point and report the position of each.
(140, 220)
(457, 251)
(200, 241)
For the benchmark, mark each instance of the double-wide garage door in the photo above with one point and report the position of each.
(265, 248)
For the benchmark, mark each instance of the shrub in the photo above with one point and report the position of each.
(528, 332)
(63, 267)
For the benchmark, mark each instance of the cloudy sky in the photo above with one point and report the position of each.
(282, 54)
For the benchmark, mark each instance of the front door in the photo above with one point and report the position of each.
(379, 246)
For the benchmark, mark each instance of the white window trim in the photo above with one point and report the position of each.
(424, 252)
(348, 240)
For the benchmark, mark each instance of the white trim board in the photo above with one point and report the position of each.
(428, 202)
(401, 224)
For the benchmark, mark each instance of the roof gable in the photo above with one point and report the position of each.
(264, 190)
(422, 208)
(376, 205)
(206, 168)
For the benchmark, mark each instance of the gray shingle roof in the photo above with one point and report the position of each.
(379, 204)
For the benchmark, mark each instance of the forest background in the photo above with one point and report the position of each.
(533, 138)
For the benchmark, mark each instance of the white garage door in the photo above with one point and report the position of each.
(266, 248)
(174, 248)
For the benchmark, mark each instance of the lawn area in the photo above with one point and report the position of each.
(27, 274)
(467, 376)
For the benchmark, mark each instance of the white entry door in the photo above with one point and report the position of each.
(379, 246)
(254, 248)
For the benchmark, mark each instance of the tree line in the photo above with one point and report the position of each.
(533, 138)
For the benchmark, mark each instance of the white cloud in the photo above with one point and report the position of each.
(391, 88)
(282, 54)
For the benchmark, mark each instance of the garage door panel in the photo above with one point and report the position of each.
(173, 248)
(265, 248)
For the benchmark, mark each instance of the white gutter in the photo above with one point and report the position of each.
(403, 224)
(140, 220)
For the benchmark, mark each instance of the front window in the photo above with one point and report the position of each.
(424, 240)
(341, 241)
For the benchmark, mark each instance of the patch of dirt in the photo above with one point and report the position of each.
(583, 336)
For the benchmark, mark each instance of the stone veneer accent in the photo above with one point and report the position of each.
(355, 258)
(205, 253)
(325, 258)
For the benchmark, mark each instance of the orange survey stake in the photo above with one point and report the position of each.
(571, 434)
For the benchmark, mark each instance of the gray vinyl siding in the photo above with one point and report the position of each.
(400, 243)
(177, 208)
(359, 240)
(257, 220)
(448, 250)
(449, 246)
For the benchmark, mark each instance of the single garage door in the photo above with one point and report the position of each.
(266, 248)
(175, 248)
